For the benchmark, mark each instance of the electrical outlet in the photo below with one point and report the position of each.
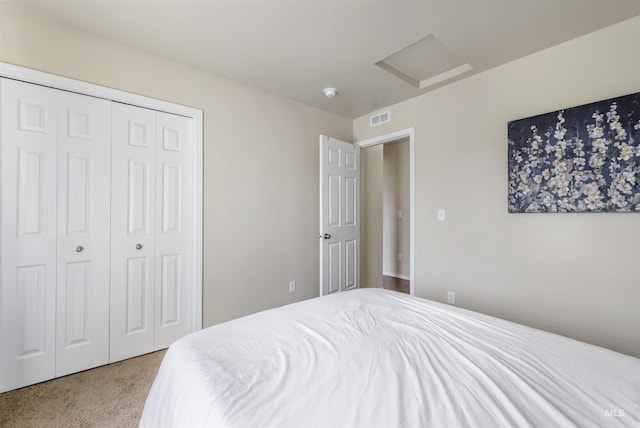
(442, 215)
(451, 297)
(292, 286)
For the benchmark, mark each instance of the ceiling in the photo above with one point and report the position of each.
(296, 48)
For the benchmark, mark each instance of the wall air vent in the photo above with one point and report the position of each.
(379, 118)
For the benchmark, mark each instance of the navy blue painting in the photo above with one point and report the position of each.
(580, 159)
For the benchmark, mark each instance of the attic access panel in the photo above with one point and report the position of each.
(424, 63)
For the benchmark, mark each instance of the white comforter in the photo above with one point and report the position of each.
(376, 358)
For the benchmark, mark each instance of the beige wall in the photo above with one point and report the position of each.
(260, 161)
(395, 230)
(372, 203)
(574, 274)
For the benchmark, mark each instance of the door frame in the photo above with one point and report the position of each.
(392, 138)
(28, 75)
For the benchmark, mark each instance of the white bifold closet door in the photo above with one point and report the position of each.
(55, 167)
(151, 251)
(84, 169)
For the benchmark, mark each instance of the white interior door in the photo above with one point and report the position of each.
(175, 185)
(84, 168)
(339, 216)
(132, 231)
(29, 132)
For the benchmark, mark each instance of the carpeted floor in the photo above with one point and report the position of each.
(107, 396)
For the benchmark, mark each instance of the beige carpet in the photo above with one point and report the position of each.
(108, 396)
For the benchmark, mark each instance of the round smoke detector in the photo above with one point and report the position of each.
(330, 92)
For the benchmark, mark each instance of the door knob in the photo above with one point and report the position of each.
(79, 248)
(138, 246)
(327, 236)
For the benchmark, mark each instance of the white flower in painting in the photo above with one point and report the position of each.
(596, 161)
(579, 162)
(596, 132)
(600, 145)
(594, 203)
(547, 200)
(621, 134)
(537, 179)
(518, 158)
(560, 130)
(619, 200)
(524, 189)
(612, 115)
(533, 208)
(560, 166)
(563, 189)
(524, 175)
(591, 189)
(624, 187)
(626, 152)
(566, 205)
(546, 174)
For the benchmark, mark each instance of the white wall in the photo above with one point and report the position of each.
(260, 161)
(574, 274)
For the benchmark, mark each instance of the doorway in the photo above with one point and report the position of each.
(388, 220)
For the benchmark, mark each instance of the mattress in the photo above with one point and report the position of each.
(378, 358)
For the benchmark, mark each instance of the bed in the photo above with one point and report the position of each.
(378, 358)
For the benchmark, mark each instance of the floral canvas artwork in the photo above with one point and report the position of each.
(580, 159)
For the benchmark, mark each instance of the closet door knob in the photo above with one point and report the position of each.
(138, 246)
(79, 248)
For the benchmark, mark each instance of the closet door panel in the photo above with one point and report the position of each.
(132, 231)
(84, 166)
(28, 165)
(174, 231)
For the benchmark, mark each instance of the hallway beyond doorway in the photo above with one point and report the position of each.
(395, 284)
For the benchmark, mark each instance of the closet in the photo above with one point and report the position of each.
(98, 240)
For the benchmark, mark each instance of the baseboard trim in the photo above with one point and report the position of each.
(397, 275)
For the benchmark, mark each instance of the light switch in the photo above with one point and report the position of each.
(399, 214)
(442, 215)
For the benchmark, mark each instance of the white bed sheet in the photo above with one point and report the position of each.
(377, 358)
